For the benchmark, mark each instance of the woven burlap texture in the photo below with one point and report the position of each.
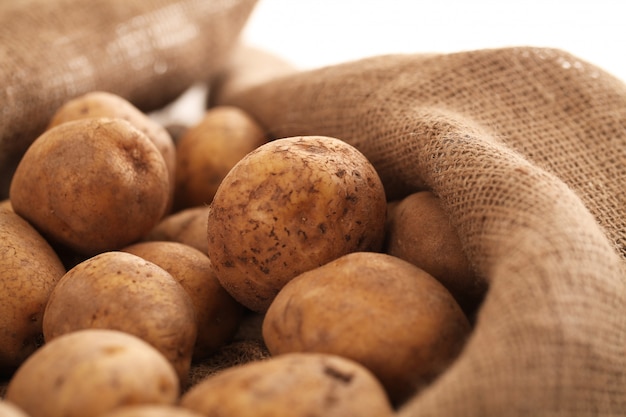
(147, 51)
(526, 149)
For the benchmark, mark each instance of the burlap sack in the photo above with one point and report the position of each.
(526, 148)
(148, 51)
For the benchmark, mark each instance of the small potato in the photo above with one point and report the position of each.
(291, 385)
(121, 291)
(8, 409)
(378, 310)
(290, 206)
(105, 104)
(151, 410)
(29, 270)
(6, 205)
(218, 314)
(89, 372)
(91, 184)
(421, 233)
(208, 150)
(187, 226)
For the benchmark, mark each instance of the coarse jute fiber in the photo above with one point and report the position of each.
(147, 51)
(526, 149)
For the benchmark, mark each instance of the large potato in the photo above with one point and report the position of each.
(218, 314)
(290, 206)
(29, 270)
(91, 184)
(420, 232)
(105, 104)
(121, 291)
(208, 150)
(293, 385)
(89, 372)
(381, 311)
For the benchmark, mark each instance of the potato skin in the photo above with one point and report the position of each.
(208, 150)
(121, 291)
(421, 233)
(378, 310)
(297, 384)
(289, 206)
(97, 104)
(92, 184)
(88, 372)
(151, 410)
(29, 270)
(8, 409)
(218, 314)
(188, 226)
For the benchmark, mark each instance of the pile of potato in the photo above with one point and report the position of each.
(127, 256)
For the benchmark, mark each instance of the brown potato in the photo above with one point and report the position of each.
(208, 150)
(290, 206)
(188, 226)
(121, 291)
(105, 104)
(381, 311)
(151, 410)
(29, 270)
(298, 384)
(8, 409)
(88, 372)
(421, 233)
(91, 184)
(218, 314)
(6, 204)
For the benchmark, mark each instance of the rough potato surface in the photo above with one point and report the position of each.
(299, 384)
(91, 184)
(29, 270)
(378, 310)
(289, 206)
(89, 372)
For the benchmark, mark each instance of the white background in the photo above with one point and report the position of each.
(311, 33)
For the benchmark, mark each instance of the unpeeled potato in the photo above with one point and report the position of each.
(121, 291)
(105, 104)
(188, 226)
(297, 384)
(218, 314)
(89, 372)
(8, 409)
(376, 309)
(29, 270)
(290, 206)
(208, 150)
(152, 410)
(421, 233)
(91, 184)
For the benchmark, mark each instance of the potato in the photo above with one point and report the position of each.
(6, 204)
(91, 184)
(420, 232)
(218, 314)
(121, 291)
(298, 384)
(29, 270)
(378, 310)
(188, 226)
(151, 410)
(89, 372)
(208, 150)
(8, 409)
(105, 104)
(290, 206)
